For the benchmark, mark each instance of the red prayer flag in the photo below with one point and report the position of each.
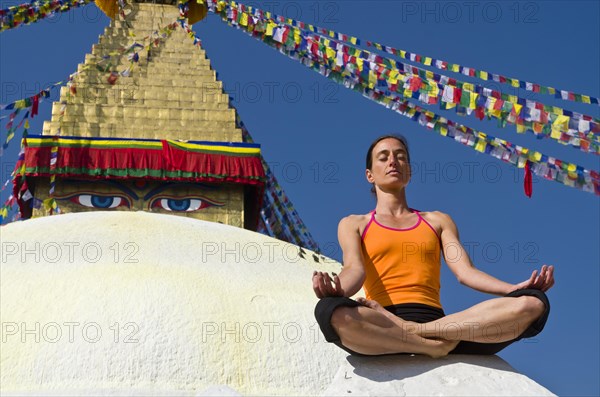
(528, 185)
(35, 105)
(457, 95)
(112, 79)
(415, 83)
(479, 113)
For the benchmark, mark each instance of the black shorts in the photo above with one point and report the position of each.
(420, 313)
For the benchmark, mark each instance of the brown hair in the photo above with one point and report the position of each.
(400, 138)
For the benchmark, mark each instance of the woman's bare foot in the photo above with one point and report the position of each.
(371, 304)
(409, 326)
(442, 348)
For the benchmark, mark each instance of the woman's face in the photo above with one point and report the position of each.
(390, 169)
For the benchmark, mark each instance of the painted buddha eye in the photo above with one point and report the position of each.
(99, 201)
(182, 204)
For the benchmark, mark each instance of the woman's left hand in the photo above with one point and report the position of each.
(542, 281)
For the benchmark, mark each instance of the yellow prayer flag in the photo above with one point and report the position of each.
(407, 93)
(537, 156)
(455, 68)
(521, 128)
(480, 146)
(518, 108)
(402, 54)
(427, 61)
(514, 83)
(20, 104)
(270, 27)
(555, 134)
(244, 19)
(472, 100)
(48, 203)
(561, 123)
(359, 64)
(429, 74)
(483, 75)
(495, 113)
(571, 167)
(443, 131)
(353, 40)
(585, 99)
(331, 53)
(468, 87)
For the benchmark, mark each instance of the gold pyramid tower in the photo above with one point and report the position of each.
(159, 93)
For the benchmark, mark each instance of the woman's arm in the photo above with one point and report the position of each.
(460, 264)
(352, 276)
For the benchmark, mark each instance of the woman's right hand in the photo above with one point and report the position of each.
(324, 286)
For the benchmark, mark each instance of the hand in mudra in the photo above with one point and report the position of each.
(324, 285)
(542, 281)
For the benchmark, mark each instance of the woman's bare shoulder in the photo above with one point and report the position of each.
(437, 219)
(356, 222)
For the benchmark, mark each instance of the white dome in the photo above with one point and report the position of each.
(139, 301)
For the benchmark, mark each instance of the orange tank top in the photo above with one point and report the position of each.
(402, 265)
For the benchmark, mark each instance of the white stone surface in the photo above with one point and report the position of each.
(410, 375)
(134, 303)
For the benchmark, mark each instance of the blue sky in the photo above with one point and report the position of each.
(314, 134)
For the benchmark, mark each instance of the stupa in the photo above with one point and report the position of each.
(144, 125)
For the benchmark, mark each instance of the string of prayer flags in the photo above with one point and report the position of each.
(218, 6)
(543, 165)
(11, 129)
(476, 100)
(25, 14)
(6, 207)
(474, 97)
